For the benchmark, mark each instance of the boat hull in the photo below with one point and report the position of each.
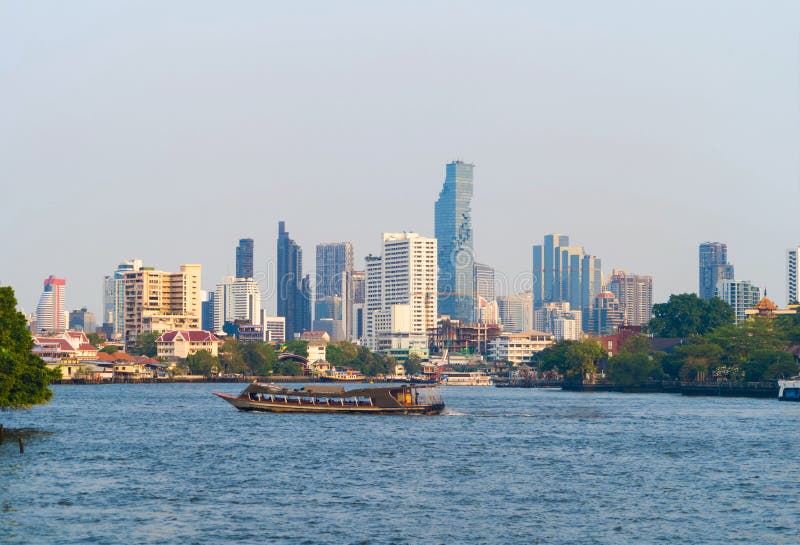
(244, 404)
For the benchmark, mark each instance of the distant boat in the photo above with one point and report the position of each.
(475, 378)
(789, 390)
(403, 399)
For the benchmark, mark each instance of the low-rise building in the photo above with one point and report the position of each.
(518, 348)
(317, 344)
(70, 345)
(181, 344)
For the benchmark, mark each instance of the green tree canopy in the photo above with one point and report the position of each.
(231, 356)
(145, 345)
(110, 349)
(24, 377)
(413, 364)
(297, 347)
(203, 363)
(686, 314)
(740, 342)
(260, 358)
(95, 339)
(574, 359)
(632, 369)
(768, 365)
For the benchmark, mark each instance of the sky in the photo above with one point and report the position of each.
(166, 131)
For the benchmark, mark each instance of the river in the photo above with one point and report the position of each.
(170, 463)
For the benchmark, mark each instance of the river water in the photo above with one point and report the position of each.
(170, 463)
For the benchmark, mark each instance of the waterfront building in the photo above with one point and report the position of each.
(333, 300)
(317, 344)
(635, 295)
(51, 312)
(405, 275)
(739, 294)
(792, 278)
(518, 348)
(65, 346)
(236, 299)
(455, 253)
(515, 312)
(293, 290)
(114, 297)
(82, 320)
(560, 320)
(244, 258)
(274, 327)
(160, 301)
(605, 316)
(714, 267)
(459, 338)
(182, 344)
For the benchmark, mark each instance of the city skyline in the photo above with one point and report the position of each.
(639, 169)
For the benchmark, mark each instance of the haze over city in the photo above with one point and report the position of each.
(167, 131)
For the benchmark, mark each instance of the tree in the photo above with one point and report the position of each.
(203, 363)
(574, 359)
(686, 314)
(413, 364)
(698, 359)
(110, 349)
(24, 377)
(768, 365)
(636, 344)
(260, 358)
(632, 369)
(231, 356)
(740, 342)
(95, 339)
(297, 347)
(145, 345)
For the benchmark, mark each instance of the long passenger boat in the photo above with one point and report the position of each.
(403, 399)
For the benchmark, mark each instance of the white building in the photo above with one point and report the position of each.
(274, 327)
(181, 344)
(405, 274)
(740, 294)
(518, 348)
(559, 319)
(114, 296)
(52, 315)
(792, 280)
(237, 299)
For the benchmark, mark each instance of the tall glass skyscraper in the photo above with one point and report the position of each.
(293, 290)
(455, 257)
(714, 267)
(51, 310)
(244, 258)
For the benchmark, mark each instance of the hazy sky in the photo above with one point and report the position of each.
(166, 130)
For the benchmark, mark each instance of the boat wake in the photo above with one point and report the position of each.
(451, 412)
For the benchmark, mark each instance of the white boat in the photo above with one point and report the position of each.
(789, 390)
(475, 378)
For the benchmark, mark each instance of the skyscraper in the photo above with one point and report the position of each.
(742, 295)
(453, 231)
(792, 280)
(635, 295)
(291, 288)
(606, 315)
(334, 298)
(82, 320)
(114, 296)
(714, 267)
(244, 258)
(547, 269)
(401, 292)
(236, 299)
(51, 312)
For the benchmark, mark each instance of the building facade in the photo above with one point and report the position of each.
(455, 253)
(293, 290)
(51, 312)
(404, 275)
(518, 348)
(333, 301)
(559, 320)
(82, 320)
(635, 295)
(236, 299)
(792, 280)
(606, 316)
(274, 328)
(515, 312)
(713, 267)
(742, 295)
(244, 258)
(114, 297)
(182, 344)
(159, 301)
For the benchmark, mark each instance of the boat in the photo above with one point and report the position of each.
(475, 378)
(402, 399)
(789, 390)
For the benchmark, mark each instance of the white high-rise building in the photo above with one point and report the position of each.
(742, 295)
(237, 299)
(792, 284)
(114, 296)
(51, 312)
(274, 327)
(404, 274)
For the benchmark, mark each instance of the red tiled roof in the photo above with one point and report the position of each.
(195, 336)
(53, 342)
(119, 355)
(86, 346)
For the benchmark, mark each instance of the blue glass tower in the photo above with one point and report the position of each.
(456, 257)
(244, 258)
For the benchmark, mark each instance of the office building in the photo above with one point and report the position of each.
(159, 301)
(519, 348)
(114, 297)
(401, 296)
(484, 281)
(244, 258)
(293, 290)
(358, 289)
(606, 316)
(515, 312)
(560, 320)
(742, 295)
(207, 310)
(333, 300)
(236, 299)
(635, 295)
(51, 312)
(713, 268)
(274, 328)
(792, 280)
(455, 254)
(82, 320)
